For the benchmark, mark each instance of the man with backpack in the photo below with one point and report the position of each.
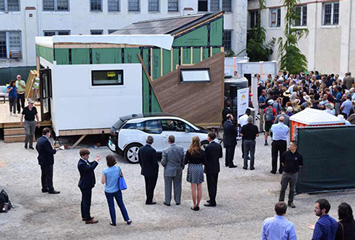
(269, 118)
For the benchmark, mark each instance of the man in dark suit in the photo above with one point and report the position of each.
(86, 183)
(229, 140)
(213, 153)
(149, 164)
(46, 161)
(225, 111)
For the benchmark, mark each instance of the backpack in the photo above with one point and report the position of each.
(269, 114)
(5, 203)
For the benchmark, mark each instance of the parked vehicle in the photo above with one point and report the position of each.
(129, 133)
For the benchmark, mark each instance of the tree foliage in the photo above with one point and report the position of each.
(257, 49)
(291, 57)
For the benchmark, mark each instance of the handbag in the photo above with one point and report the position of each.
(122, 183)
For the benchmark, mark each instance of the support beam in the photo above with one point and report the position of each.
(79, 140)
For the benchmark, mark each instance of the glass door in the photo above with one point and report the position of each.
(46, 93)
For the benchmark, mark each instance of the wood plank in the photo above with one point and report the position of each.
(77, 132)
(14, 131)
(79, 140)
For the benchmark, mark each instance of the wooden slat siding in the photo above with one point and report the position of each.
(192, 56)
(196, 102)
(150, 80)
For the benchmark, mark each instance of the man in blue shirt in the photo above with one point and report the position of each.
(326, 226)
(262, 106)
(346, 106)
(279, 143)
(278, 227)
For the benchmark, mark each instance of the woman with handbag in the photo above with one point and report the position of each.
(12, 91)
(346, 225)
(111, 177)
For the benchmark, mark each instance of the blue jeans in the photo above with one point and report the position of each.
(111, 205)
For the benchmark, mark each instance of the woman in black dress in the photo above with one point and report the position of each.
(346, 225)
(195, 157)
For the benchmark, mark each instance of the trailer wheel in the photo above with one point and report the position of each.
(131, 152)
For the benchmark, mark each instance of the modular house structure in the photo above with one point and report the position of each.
(173, 65)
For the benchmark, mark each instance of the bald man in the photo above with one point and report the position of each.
(279, 143)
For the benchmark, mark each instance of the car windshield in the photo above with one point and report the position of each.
(118, 124)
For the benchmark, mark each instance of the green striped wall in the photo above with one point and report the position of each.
(45, 52)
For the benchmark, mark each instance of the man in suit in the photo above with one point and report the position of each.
(149, 164)
(173, 163)
(46, 161)
(348, 80)
(225, 111)
(229, 140)
(86, 183)
(213, 153)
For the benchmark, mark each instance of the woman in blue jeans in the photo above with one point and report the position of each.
(110, 176)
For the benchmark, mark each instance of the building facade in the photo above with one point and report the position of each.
(23, 20)
(330, 44)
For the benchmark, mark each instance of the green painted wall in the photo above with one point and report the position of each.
(131, 55)
(80, 56)
(216, 50)
(186, 57)
(206, 53)
(156, 63)
(62, 56)
(196, 55)
(166, 61)
(145, 82)
(106, 55)
(216, 32)
(45, 52)
(175, 57)
(197, 37)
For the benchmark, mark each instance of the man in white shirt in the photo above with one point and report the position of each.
(241, 122)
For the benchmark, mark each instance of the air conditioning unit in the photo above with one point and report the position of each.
(15, 54)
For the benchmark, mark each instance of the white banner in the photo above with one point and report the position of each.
(243, 101)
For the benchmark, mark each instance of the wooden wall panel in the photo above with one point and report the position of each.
(200, 103)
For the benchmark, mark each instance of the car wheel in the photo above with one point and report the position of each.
(204, 145)
(131, 152)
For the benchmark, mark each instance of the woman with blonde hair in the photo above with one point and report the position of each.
(195, 157)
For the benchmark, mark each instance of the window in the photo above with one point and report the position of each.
(56, 32)
(96, 32)
(9, 5)
(133, 5)
(111, 31)
(95, 5)
(227, 39)
(202, 5)
(107, 77)
(331, 13)
(173, 5)
(55, 5)
(214, 5)
(153, 6)
(10, 44)
(113, 5)
(301, 16)
(275, 17)
(174, 125)
(195, 75)
(153, 126)
(253, 18)
(227, 5)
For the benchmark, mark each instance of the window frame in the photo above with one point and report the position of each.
(230, 5)
(6, 6)
(56, 32)
(8, 46)
(332, 14)
(55, 7)
(230, 40)
(110, 31)
(253, 14)
(196, 70)
(92, 32)
(277, 17)
(302, 16)
(158, 5)
(121, 72)
(170, 2)
(118, 6)
(96, 10)
(130, 2)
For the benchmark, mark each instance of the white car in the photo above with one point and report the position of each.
(129, 133)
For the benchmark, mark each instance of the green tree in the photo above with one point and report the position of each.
(257, 49)
(291, 57)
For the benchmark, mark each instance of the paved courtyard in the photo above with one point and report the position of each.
(245, 198)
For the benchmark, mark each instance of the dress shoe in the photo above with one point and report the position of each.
(178, 203)
(280, 172)
(44, 190)
(208, 201)
(53, 192)
(273, 172)
(31, 148)
(232, 166)
(245, 168)
(209, 205)
(195, 208)
(112, 224)
(266, 144)
(92, 221)
(129, 222)
(150, 203)
(167, 204)
(26, 146)
(291, 205)
(252, 168)
(85, 220)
